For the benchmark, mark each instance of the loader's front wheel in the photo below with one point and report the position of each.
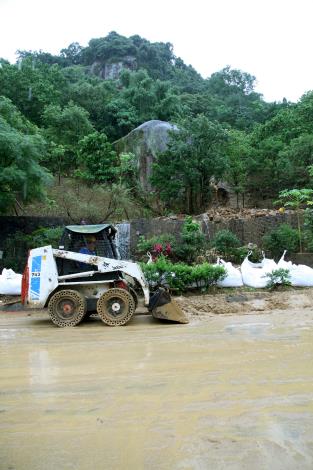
(116, 307)
(67, 308)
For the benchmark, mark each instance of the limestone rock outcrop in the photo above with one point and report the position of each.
(112, 70)
(145, 142)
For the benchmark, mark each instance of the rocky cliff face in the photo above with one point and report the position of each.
(112, 70)
(145, 142)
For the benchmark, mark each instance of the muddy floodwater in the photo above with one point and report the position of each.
(232, 391)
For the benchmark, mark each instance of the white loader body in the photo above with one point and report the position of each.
(43, 278)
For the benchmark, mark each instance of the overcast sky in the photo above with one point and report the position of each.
(271, 39)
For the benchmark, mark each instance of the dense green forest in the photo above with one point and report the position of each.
(59, 118)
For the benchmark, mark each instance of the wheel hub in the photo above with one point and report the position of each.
(66, 308)
(116, 307)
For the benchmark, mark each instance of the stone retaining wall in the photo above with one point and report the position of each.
(10, 225)
(247, 230)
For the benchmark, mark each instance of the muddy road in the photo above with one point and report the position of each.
(231, 390)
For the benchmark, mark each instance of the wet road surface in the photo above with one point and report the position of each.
(231, 392)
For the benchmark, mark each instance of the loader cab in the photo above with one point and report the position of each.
(75, 238)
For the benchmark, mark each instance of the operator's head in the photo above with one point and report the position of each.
(91, 240)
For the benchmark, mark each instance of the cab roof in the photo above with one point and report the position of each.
(88, 229)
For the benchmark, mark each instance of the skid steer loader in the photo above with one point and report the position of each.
(71, 285)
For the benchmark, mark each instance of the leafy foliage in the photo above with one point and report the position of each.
(239, 151)
(16, 247)
(64, 128)
(44, 236)
(181, 276)
(97, 159)
(145, 246)
(226, 130)
(192, 241)
(194, 157)
(283, 238)
(22, 178)
(278, 277)
(295, 198)
(237, 255)
(225, 242)
(188, 245)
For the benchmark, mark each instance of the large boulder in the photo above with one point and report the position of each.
(145, 142)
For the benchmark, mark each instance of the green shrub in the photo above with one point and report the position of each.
(308, 230)
(181, 276)
(225, 241)
(308, 241)
(146, 245)
(239, 254)
(16, 247)
(44, 236)
(283, 238)
(308, 219)
(192, 242)
(206, 274)
(278, 277)
(227, 245)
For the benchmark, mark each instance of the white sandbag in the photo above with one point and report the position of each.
(10, 282)
(255, 274)
(300, 274)
(233, 275)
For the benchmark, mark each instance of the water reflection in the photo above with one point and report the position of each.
(41, 369)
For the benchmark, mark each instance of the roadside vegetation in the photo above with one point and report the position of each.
(59, 119)
(186, 261)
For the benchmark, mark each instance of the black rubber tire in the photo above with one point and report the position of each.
(115, 307)
(67, 308)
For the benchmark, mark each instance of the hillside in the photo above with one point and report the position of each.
(59, 116)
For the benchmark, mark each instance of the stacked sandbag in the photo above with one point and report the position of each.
(300, 274)
(10, 282)
(255, 274)
(233, 275)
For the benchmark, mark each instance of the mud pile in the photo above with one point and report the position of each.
(241, 302)
(228, 213)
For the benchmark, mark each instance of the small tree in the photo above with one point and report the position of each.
(282, 238)
(295, 199)
(192, 241)
(278, 277)
(225, 242)
(98, 161)
(194, 156)
(238, 153)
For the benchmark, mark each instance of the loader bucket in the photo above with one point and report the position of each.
(163, 307)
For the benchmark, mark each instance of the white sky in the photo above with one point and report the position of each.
(271, 39)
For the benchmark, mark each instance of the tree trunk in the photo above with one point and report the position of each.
(299, 231)
(188, 199)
